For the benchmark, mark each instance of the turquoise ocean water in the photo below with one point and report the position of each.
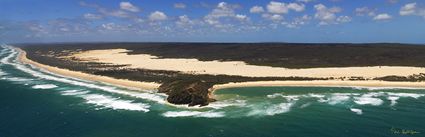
(36, 103)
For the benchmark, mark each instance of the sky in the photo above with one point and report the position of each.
(298, 21)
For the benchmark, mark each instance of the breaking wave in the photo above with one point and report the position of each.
(271, 110)
(17, 79)
(207, 114)
(349, 99)
(115, 103)
(2, 73)
(357, 111)
(45, 86)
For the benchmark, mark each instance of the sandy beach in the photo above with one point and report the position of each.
(324, 83)
(118, 55)
(236, 68)
(119, 82)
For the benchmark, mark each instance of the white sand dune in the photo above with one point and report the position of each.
(239, 68)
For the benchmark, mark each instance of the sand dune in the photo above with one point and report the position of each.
(194, 66)
(324, 83)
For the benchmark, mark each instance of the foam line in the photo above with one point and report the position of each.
(271, 109)
(114, 103)
(45, 86)
(357, 111)
(207, 114)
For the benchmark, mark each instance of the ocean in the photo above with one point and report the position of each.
(36, 103)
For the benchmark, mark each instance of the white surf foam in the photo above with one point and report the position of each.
(73, 92)
(271, 110)
(17, 79)
(279, 108)
(287, 97)
(207, 114)
(365, 100)
(393, 97)
(383, 88)
(412, 95)
(6, 59)
(357, 111)
(393, 100)
(316, 95)
(2, 73)
(275, 95)
(114, 103)
(374, 94)
(226, 103)
(305, 105)
(337, 98)
(4, 50)
(45, 86)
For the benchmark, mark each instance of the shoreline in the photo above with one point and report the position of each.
(323, 83)
(118, 82)
(153, 86)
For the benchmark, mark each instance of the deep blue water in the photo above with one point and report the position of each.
(40, 104)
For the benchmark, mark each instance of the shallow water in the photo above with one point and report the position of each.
(38, 103)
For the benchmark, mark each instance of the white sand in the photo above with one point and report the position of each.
(324, 83)
(194, 66)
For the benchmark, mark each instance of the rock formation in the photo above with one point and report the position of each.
(191, 92)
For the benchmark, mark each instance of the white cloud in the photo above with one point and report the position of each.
(297, 22)
(305, 1)
(256, 9)
(115, 13)
(283, 8)
(108, 12)
(241, 17)
(365, 11)
(108, 26)
(382, 16)
(157, 16)
(184, 21)
(296, 7)
(326, 15)
(344, 19)
(412, 9)
(113, 27)
(129, 7)
(223, 10)
(273, 17)
(277, 7)
(91, 16)
(408, 9)
(392, 1)
(179, 5)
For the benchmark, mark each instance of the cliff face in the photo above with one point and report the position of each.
(187, 92)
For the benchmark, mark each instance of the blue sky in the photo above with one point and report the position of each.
(350, 21)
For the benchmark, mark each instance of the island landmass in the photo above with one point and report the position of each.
(190, 72)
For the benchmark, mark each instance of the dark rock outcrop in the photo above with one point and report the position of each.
(191, 92)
